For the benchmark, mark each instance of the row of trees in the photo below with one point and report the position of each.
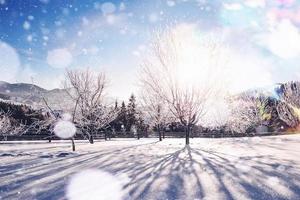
(130, 117)
(166, 98)
(91, 113)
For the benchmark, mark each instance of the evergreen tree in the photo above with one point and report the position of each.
(142, 127)
(116, 104)
(131, 112)
(123, 115)
(116, 124)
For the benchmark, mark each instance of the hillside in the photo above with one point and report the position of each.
(29, 93)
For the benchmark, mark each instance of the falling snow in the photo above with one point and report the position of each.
(26, 25)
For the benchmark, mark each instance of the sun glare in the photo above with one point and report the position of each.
(203, 60)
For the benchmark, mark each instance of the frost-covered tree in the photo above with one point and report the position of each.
(247, 110)
(9, 126)
(287, 114)
(183, 71)
(91, 112)
(288, 108)
(18, 119)
(156, 111)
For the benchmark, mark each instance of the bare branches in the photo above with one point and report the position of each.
(8, 126)
(289, 109)
(166, 72)
(87, 89)
(156, 109)
(247, 110)
(182, 73)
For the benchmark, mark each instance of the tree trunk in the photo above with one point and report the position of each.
(163, 134)
(73, 144)
(91, 139)
(138, 136)
(159, 134)
(187, 136)
(105, 135)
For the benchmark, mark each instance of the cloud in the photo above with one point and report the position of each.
(283, 40)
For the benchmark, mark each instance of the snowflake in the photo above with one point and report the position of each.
(26, 25)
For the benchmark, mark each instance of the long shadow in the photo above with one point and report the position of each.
(169, 175)
(41, 171)
(264, 186)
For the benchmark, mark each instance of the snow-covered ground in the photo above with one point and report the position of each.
(232, 168)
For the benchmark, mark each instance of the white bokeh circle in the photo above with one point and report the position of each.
(94, 184)
(64, 129)
(108, 8)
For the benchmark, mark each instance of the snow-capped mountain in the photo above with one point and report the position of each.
(29, 93)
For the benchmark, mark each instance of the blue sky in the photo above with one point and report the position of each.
(40, 38)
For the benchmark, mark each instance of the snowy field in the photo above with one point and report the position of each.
(231, 168)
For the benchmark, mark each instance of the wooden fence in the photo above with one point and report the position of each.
(103, 135)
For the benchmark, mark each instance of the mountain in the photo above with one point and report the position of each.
(30, 94)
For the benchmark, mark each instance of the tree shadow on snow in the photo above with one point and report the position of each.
(155, 172)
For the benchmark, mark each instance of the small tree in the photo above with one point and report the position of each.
(90, 111)
(156, 111)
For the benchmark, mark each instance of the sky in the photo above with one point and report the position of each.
(39, 39)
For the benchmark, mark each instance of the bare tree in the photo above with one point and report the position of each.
(177, 73)
(50, 115)
(288, 108)
(8, 126)
(90, 112)
(156, 111)
(247, 110)
(287, 114)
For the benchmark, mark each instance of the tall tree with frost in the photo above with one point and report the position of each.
(183, 70)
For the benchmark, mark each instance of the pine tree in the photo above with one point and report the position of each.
(131, 112)
(123, 115)
(116, 104)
